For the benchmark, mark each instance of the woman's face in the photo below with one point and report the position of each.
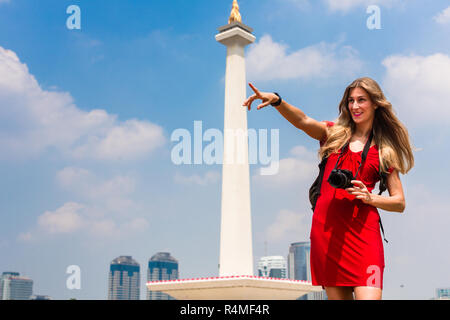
(360, 106)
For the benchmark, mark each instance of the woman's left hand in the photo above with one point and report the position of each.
(360, 191)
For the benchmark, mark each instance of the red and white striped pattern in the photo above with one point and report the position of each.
(228, 278)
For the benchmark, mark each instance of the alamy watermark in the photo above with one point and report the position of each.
(226, 148)
(374, 20)
(374, 278)
(74, 20)
(74, 280)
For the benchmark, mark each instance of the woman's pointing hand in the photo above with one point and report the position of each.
(266, 98)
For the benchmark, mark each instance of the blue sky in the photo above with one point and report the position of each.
(86, 118)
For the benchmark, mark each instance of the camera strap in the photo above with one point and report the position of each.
(365, 152)
(363, 156)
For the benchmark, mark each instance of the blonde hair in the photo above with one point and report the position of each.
(390, 135)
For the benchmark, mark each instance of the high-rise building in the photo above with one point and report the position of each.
(15, 287)
(298, 261)
(162, 266)
(124, 279)
(443, 293)
(299, 267)
(273, 267)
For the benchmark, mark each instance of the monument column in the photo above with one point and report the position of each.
(236, 256)
(236, 253)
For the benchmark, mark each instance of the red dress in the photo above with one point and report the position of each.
(346, 244)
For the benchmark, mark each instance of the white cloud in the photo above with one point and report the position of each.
(443, 17)
(103, 228)
(208, 178)
(126, 140)
(107, 194)
(300, 169)
(84, 182)
(136, 225)
(33, 120)
(303, 153)
(105, 209)
(25, 236)
(296, 174)
(344, 6)
(419, 88)
(269, 60)
(117, 186)
(70, 177)
(110, 228)
(65, 219)
(84, 220)
(289, 227)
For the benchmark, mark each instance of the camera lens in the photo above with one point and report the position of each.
(334, 179)
(340, 178)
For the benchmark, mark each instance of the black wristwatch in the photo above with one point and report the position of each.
(276, 104)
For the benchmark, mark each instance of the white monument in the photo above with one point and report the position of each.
(236, 280)
(236, 254)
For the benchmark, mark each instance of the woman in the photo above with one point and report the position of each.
(347, 256)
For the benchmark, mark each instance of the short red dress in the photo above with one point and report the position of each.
(346, 244)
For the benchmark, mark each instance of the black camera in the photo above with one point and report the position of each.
(341, 178)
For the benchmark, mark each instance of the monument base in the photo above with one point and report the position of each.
(234, 288)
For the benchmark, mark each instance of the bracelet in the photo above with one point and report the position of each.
(276, 104)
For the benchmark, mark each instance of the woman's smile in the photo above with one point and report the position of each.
(360, 106)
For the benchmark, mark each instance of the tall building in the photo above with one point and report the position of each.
(15, 287)
(299, 267)
(443, 293)
(298, 261)
(124, 279)
(162, 266)
(272, 267)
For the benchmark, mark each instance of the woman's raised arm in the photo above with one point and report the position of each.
(315, 129)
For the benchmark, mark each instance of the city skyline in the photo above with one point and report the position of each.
(87, 113)
(264, 268)
(167, 269)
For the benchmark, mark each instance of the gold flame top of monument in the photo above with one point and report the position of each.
(235, 15)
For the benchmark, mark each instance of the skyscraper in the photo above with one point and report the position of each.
(299, 267)
(15, 287)
(443, 293)
(298, 261)
(272, 267)
(162, 266)
(124, 279)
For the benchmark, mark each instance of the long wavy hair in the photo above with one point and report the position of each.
(390, 135)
